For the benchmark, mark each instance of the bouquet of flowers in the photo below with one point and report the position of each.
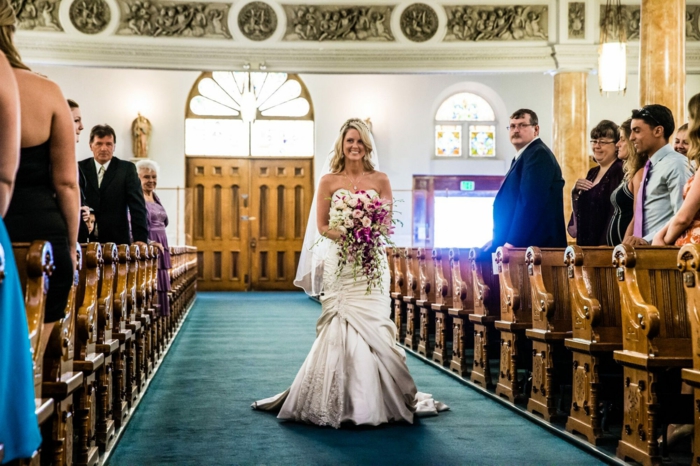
(365, 223)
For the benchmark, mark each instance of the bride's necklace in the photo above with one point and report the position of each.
(354, 183)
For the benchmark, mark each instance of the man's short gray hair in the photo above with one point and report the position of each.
(147, 165)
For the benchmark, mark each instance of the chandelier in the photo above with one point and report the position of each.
(612, 55)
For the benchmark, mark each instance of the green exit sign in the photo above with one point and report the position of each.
(466, 186)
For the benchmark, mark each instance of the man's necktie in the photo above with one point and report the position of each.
(100, 175)
(639, 205)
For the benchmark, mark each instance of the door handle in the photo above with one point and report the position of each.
(246, 218)
(253, 243)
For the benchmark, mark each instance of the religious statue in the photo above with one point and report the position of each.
(141, 135)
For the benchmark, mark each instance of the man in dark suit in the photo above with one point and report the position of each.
(529, 207)
(113, 190)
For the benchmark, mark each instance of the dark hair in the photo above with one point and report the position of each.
(101, 131)
(656, 115)
(606, 129)
(524, 111)
(683, 128)
(72, 103)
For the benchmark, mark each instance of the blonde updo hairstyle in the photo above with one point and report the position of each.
(7, 31)
(694, 129)
(338, 160)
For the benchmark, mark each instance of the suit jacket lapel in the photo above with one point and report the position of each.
(90, 173)
(110, 173)
(519, 160)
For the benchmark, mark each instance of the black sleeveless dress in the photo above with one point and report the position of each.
(34, 214)
(623, 203)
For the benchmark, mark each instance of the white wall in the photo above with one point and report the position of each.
(401, 108)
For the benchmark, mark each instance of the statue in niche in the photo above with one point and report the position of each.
(141, 135)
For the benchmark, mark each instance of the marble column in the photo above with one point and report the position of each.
(662, 55)
(571, 129)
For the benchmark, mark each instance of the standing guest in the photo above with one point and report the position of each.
(157, 221)
(529, 207)
(660, 195)
(83, 231)
(590, 198)
(19, 429)
(46, 200)
(622, 198)
(77, 119)
(681, 144)
(113, 190)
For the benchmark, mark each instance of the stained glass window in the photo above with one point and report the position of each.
(242, 113)
(468, 114)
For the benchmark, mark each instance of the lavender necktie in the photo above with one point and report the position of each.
(639, 205)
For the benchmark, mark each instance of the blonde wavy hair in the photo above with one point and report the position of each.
(7, 31)
(338, 160)
(694, 129)
(634, 161)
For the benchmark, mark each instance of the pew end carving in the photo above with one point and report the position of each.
(443, 337)
(410, 298)
(487, 307)
(398, 290)
(462, 307)
(424, 303)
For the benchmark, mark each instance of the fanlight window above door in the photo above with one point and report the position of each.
(249, 114)
(465, 126)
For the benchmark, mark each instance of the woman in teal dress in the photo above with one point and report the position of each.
(19, 430)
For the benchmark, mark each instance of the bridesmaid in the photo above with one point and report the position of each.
(157, 221)
(19, 429)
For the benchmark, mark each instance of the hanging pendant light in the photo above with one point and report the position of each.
(612, 55)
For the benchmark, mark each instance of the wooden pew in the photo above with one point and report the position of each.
(107, 345)
(442, 351)
(398, 290)
(462, 307)
(143, 314)
(551, 324)
(61, 381)
(412, 294)
(487, 308)
(655, 345)
(689, 264)
(516, 317)
(135, 359)
(120, 404)
(34, 265)
(596, 317)
(424, 303)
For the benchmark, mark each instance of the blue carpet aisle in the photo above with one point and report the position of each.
(236, 348)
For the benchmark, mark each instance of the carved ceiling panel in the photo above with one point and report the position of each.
(37, 15)
(173, 19)
(257, 21)
(577, 20)
(497, 23)
(90, 16)
(338, 23)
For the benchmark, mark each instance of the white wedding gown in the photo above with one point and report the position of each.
(355, 371)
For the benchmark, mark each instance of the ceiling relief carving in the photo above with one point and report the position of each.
(90, 16)
(173, 19)
(631, 15)
(338, 23)
(577, 20)
(257, 21)
(419, 22)
(496, 23)
(37, 15)
(692, 22)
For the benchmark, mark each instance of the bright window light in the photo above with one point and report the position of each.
(463, 222)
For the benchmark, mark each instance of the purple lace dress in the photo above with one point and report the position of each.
(157, 221)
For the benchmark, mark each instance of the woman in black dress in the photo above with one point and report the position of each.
(590, 197)
(45, 203)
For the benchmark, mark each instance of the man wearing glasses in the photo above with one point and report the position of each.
(529, 207)
(661, 193)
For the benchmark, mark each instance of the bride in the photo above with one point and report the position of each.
(355, 371)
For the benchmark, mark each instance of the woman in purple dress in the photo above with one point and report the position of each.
(157, 221)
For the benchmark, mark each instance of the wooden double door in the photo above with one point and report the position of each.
(247, 219)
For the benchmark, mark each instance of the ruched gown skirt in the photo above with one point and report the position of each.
(355, 371)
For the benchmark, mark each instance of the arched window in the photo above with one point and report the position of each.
(249, 114)
(465, 126)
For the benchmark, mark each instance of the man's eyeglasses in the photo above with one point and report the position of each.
(519, 126)
(597, 142)
(644, 113)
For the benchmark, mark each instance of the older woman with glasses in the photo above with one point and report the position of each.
(592, 209)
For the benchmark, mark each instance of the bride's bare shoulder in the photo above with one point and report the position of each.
(380, 176)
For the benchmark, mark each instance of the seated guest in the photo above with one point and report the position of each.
(661, 192)
(46, 202)
(622, 198)
(529, 207)
(590, 198)
(19, 429)
(680, 142)
(157, 221)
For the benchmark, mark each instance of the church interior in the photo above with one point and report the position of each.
(242, 102)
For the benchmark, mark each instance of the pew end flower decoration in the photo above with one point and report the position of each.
(365, 223)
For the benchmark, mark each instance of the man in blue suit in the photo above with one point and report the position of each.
(529, 207)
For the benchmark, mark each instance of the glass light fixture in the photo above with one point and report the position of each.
(612, 55)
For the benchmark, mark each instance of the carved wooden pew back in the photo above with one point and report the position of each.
(398, 290)
(425, 300)
(462, 307)
(442, 320)
(412, 294)
(487, 308)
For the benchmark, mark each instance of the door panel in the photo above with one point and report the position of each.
(249, 218)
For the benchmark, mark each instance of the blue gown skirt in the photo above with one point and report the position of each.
(19, 430)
